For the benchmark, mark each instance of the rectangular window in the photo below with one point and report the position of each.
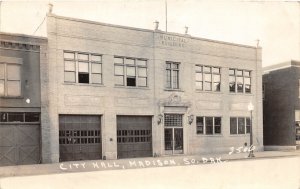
(173, 120)
(200, 125)
(208, 125)
(208, 78)
(233, 126)
(10, 79)
(217, 125)
(82, 68)
(239, 81)
(130, 72)
(248, 125)
(172, 74)
(27, 117)
(240, 125)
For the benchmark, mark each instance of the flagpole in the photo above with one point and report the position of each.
(166, 6)
(0, 13)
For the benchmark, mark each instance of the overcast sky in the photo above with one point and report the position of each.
(275, 23)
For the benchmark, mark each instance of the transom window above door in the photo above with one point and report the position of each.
(173, 120)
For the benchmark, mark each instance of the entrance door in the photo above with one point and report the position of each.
(19, 144)
(174, 141)
(19, 138)
(173, 134)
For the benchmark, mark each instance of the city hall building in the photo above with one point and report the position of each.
(22, 58)
(122, 92)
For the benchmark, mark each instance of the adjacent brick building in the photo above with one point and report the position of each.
(120, 92)
(282, 106)
(22, 59)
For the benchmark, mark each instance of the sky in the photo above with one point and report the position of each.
(275, 23)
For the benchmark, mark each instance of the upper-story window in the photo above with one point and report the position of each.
(239, 81)
(208, 78)
(130, 72)
(172, 73)
(82, 67)
(10, 80)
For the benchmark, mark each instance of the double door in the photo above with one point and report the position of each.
(173, 140)
(173, 134)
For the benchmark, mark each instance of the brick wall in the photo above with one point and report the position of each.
(281, 101)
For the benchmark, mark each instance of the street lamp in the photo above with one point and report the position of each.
(251, 108)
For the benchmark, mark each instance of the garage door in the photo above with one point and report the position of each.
(80, 137)
(134, 136)
(19, 141)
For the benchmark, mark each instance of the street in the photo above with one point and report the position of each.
(272, 173)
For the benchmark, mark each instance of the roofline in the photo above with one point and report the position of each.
(23, 35)
(148, 30)
(279, 66)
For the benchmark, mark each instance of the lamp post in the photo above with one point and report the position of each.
(251, 108)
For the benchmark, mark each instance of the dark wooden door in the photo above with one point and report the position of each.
(134, 135)
(80, 137)
(19, 144)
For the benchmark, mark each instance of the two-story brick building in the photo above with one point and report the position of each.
(282, 106)
(120, 92)
(21, 58)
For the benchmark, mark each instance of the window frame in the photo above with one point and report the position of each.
(203, 81)
(6, 80)
(170, 77)
(235, 75)
(136, 67)
(76, 60)
(176, 119)
(24, 115)
(204, 126)
(247, 127)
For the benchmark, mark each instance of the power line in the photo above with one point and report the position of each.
(39, 25)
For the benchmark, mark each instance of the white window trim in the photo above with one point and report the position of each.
(11, 61)
(136, 66)
(212, 77)
(89, 61)
(171, 75)
(237, 126)
(235, 75)
(204, 126)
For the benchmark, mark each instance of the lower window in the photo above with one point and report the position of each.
(208, 125)
(239, 125)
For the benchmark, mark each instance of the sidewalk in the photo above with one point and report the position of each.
(122, 164)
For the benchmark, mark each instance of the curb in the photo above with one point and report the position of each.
(126, 164)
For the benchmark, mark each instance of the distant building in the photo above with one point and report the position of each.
(281, 106)
(21, 59)
(122, 92)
